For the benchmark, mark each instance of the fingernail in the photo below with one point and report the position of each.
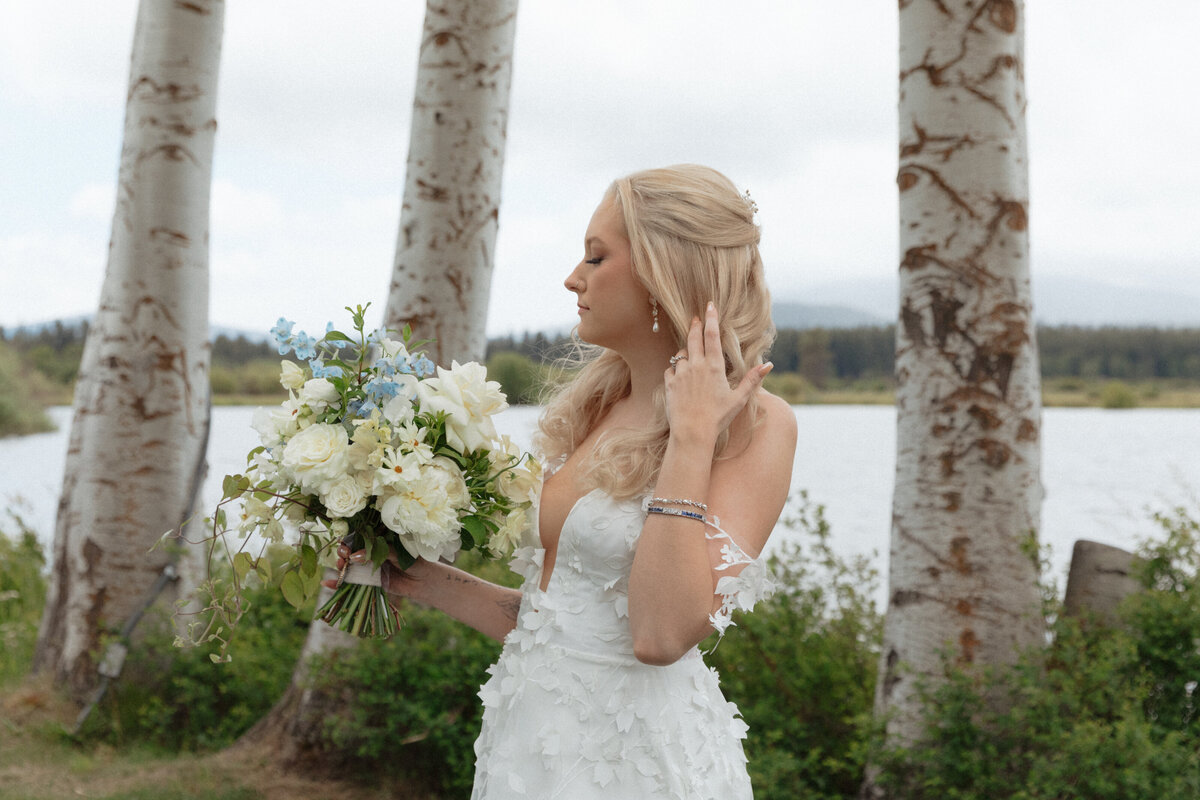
(358, 558)
(711, 307)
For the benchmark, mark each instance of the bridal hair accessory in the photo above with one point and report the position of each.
(654, 313)
(675, 512)
(680, 501)
(750, 202)
(675, 360)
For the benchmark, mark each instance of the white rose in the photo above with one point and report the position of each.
(469, 400)
(290, 375)
(398, 410)
(511, 532)
(392, 348)
(318, 394)
(317, 455)
(520, 484)
(425, 511)
(275, 425)
(344, 497)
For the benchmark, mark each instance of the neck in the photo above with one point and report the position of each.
(646, 367)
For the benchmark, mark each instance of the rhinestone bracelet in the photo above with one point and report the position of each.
(675, 512)
(680, 501)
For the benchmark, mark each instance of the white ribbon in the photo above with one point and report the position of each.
(363, 575)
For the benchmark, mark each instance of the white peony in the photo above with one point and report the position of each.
(511, 533)
(424, 511)
(291, 377)
(469, 399)
(316, 456)
(318, 394)
(519, 484)
(344, 497)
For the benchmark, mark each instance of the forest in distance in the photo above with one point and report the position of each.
(811, 365)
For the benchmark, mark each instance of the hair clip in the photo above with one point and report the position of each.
(750, 202)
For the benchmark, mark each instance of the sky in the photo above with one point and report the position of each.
(795, 100)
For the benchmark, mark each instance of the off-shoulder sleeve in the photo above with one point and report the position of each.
(741, 582)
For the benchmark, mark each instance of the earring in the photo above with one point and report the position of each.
(654, 313)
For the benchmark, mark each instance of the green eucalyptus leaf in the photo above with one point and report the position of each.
(309, 563)
(293, 589)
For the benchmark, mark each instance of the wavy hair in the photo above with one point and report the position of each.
(692, 239)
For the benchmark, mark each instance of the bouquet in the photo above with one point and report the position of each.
(377, 448)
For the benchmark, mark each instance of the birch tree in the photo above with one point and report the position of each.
(136, 448)
(968, 492)
(451, 207)
(444, 254)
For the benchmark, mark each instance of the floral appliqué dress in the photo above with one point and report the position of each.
(570, 713)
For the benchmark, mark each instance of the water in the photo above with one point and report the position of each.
(1104, 471)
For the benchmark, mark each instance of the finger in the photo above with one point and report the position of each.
(357, 557)
(695, 340)
(752, 380)
(712, 334)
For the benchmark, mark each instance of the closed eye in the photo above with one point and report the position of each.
(592, 261)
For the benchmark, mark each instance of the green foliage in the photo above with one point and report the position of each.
(1099, 714)
(1118, 394)
(801, 667)
(173, 698)
(412, 708)
(22, 597)
(519, 376)
(20, 411)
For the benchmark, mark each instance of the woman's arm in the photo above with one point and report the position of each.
(671, 586)
(487, 607)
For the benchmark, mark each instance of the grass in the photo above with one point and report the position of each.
(40, 761)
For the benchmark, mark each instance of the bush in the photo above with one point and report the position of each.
(20, 411)
(1099, 714)
(412, 707)
(22, 597)
(801, 667)
(176, 699)
(1118, 394)
(519, 377)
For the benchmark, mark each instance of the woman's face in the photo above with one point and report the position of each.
(614, 307)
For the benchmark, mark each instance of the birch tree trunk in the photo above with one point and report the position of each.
(444, 258)
(968, 492)
(451, 207)
(141, 402)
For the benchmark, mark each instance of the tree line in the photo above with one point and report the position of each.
(821, 355)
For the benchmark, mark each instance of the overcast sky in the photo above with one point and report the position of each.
(793, 99)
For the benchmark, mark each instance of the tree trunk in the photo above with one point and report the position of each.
(444, 256)
(141, 401)
(963, 567)
(451, 206)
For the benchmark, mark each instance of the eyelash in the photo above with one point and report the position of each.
(592, 261)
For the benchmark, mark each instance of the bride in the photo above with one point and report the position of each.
(669, 467)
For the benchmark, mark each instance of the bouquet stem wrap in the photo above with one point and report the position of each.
(359, 605)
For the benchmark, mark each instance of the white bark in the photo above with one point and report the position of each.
(141, 402)
(444, 255)
(451, 207)
(968, 492)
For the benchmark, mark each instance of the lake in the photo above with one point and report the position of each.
(1104, 471)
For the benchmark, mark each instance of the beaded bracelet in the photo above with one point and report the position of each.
(680, 501)
(674, 512)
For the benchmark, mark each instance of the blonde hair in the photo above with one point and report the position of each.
(693, 239)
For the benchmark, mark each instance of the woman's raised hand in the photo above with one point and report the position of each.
(700, 402)
(395, 581)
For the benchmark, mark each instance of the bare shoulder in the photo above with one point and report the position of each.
(750, 484)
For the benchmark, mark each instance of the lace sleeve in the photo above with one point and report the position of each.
(742, 581)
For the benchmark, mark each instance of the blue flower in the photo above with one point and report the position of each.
(283, 335)
(306, 346)
(378, 389)
(385, 366)
(319, 370)
(424, 367)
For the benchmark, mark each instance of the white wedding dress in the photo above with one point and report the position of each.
(570, 713)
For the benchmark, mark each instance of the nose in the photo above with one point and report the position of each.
(573, 282)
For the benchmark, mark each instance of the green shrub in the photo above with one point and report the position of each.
(520, 377)
(1118, 394)
(801, 667)
(176, 699)
(20, 411)
(1099, 714)
(22, 597)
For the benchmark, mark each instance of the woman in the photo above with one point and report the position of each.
(663, 442)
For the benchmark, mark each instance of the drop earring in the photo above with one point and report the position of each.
(654, 314)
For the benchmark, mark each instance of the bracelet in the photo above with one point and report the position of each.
(674, 512)
(680, 501)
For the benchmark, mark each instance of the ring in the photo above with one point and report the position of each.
(676, 359)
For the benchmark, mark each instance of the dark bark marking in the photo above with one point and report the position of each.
(936, 179)
(953, 501)
(987, 419)
(968, 643)
(1027, 431)
(1003, 14)
(958, 555)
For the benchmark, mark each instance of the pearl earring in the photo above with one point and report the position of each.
(654, 313)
